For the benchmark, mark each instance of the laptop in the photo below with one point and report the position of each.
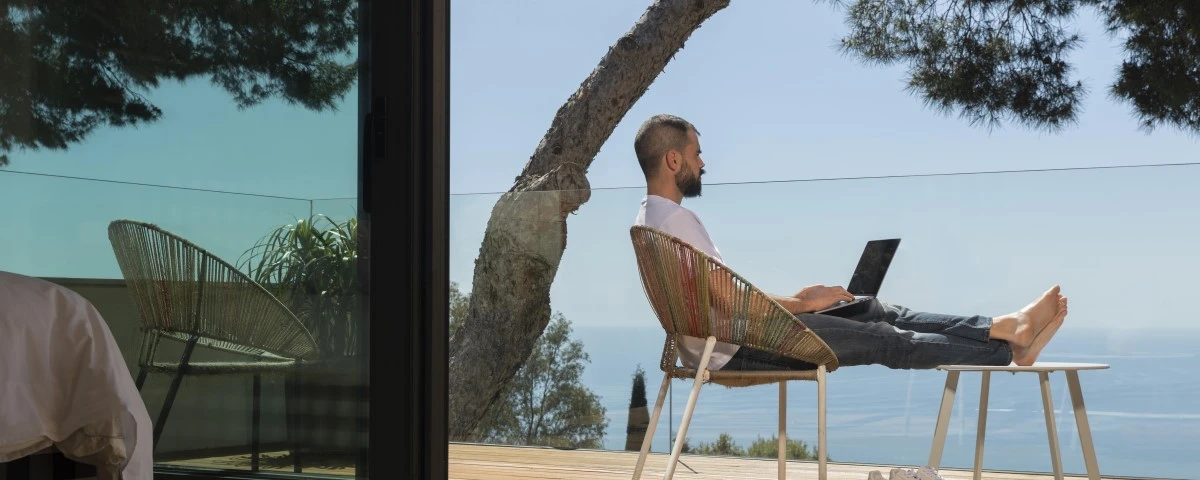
(868, 276)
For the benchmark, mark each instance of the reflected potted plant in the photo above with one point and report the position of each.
(311, 266)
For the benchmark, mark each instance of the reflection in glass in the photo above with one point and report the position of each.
(243, 151)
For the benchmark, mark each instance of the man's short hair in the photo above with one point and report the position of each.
(657, 136)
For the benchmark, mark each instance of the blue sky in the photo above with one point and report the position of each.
(770, 94)
(773, 99)
(203, 141)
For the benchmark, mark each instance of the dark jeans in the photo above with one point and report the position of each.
(893, 336)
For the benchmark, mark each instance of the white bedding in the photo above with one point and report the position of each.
(64, 383)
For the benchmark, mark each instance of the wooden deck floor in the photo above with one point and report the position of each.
(498, 462)
(490, 462)
(271, 462)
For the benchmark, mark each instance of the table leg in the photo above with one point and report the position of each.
(943, 421)
(1051, 430)
(982, 427)
(1081, 421)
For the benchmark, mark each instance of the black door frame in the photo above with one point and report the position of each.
(405, 201)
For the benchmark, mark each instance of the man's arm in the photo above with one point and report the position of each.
(792, 304)
(687, 227)
(809, 299)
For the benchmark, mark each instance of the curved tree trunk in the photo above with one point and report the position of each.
(527, 232)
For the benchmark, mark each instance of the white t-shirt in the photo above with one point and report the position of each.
(663, 214)
(64, 383)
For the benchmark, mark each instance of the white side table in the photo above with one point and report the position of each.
(1043, 370)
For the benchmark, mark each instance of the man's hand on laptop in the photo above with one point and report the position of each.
(819, 297)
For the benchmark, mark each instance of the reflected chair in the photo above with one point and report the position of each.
(694, 295)
(185, 294)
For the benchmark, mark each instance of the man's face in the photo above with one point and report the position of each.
(687, 179)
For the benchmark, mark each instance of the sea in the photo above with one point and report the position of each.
(1142, 410)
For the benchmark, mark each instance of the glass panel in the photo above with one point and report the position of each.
(1118, 241)
(241, 181)
(775, 100)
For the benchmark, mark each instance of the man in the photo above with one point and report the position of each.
(668, 149)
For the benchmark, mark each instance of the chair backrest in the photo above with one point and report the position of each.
(181, 289)
(693, 294)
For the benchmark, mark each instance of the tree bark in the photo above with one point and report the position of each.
(527, 232)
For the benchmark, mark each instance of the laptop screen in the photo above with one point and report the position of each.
(872, 266)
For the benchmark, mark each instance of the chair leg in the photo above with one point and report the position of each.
(822, 467)
(298, 420)
(166, 408)
(1051, 429)
(288, 414)
(662, 395)
(255, 416)
(701, 370)
(141, 379)
(178, 378)
(782, 430)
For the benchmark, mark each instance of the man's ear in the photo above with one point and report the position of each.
(673, 159)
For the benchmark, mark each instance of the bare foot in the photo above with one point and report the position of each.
(1020, 329)
(1026, 356)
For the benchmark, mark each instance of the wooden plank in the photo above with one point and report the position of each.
(500, 462)
(271, 462)
(504, 462)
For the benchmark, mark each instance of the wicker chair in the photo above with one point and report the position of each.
(184, 293)
(694, 295)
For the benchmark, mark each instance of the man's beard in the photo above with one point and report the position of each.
(689, 185)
